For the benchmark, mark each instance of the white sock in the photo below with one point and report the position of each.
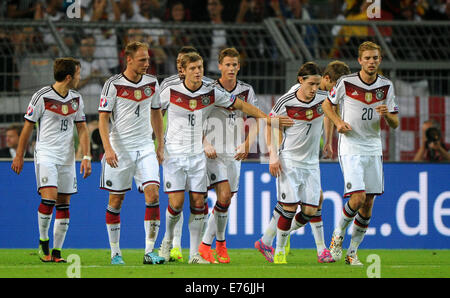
(113, 228)
(60, 226)
(210, 233)
(271, 230)
(177, 232)
(220, 220)
(172, 218)
(151, 232)
(44, 219)
(196, 219)
(317, 229)
(348, 215)
(359, 231)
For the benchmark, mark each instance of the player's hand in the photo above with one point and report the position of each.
(210, 151)
(274, 165)
(160, 154)
(17, 164)
(111, 158)
(343, 127)
(327, 151)
(281, 121)
(241, 152)
(382, 110)
(85, 168)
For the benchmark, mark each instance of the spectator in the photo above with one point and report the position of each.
(33, 58)
(94, 72)
(296, 10)
(432, 148)
(350, 37)
(53, 11)
(105, 38)
(179, 37)
(8, 68)
(12, 141)
(218, 36)
(255, 11)
(21, 9)
(148, 11)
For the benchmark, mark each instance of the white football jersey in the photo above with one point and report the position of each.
(55, 116)
(175, 79)
(358, 101)
(129, 104)
(301, 142)
(186, 115)
(225, 127)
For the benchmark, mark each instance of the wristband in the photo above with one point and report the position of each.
(87, 157)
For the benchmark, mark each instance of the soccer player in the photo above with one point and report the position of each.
(58, 109)
(364, 97)
(131, 101)
(191, 102)
(331, 74)
(176, 252)
(225, 148)
(296, 162)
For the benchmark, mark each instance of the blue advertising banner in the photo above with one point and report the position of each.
(413, 212)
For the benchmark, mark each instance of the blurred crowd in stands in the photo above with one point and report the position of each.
(99, 49)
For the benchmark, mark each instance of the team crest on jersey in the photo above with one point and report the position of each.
(64, 109)
(309, 114)
(379, 94)
(368, 97)
(192, 104)
(205, 100)
(319, 110)
(138, 94)
(74, 105)
(148, 91)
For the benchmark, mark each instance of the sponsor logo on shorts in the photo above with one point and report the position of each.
(168, 184)
(349, 185)
(109, 182)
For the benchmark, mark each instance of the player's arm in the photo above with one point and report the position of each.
(391, 118)
(330, 112)
(85, 145)
(17, 164)
(273, 140)
(328, 136)
(103, 127)
(251, 110)
(158, 128)
(243, 149)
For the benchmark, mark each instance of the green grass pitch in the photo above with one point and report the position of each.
(245, 263)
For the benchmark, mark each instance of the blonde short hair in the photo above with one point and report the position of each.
(368, 46)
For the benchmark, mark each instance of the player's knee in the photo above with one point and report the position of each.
(151, 196)
(358, 200)
(225, 197)
(309, 210)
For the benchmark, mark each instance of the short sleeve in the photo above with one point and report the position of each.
(107, 97)
(223, 98)
(80, 116)
(336, 93)
(252, 98)
(35, 109)
(391, 100)
(156, 99)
